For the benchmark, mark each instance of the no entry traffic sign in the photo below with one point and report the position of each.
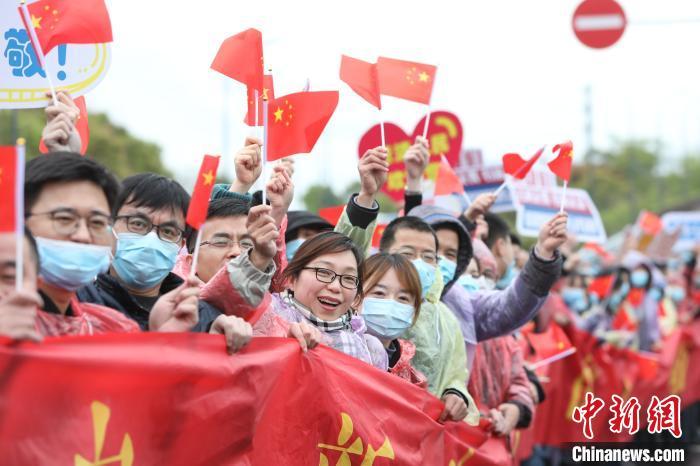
(599, 23)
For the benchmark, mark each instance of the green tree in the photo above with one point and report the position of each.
(319, 196)
(110, 144)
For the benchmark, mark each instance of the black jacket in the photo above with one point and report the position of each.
(108, 291)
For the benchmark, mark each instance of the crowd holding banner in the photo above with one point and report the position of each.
(144, 324)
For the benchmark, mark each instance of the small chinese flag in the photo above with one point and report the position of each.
(11, 188)
(81, 125)
(405, 79)
(378, 232)
(296, 121)
(362, 78)
(447, 181)
(240, 57)
(649, 223)
(561, 166)
(514, 165)
(57, 22)
(331, 214)
(268, 93)
(197, 212)
(601, 286)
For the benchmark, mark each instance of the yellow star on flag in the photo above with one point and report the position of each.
(208, 177)
(423, 77)
(278, 114)
(265, 93)
(36, 22)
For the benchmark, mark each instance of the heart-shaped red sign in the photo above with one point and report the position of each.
(444, 137)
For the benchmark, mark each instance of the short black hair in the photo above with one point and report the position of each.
(498, 229)
(59, 167)
(515, 239)
(404, 223)
(222, 208)
(155, 192)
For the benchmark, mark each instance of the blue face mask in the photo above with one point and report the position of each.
(617, 297)
(508, 276)
(575, 298)
(676, 293)
(143, 261)
(447, 269)
(292, 247)
(426, 272)
(469, 283)
(639, 279)
(386, 318)
(68, 265)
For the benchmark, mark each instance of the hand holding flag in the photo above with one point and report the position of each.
(374, 169)
(416, 160)
(67, 126)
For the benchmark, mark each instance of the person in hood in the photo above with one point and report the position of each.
(488, 314)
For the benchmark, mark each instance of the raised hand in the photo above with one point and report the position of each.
(373, 168)
(264, 233)
(552, 236)
(480, 206)
(416, 160)
(248, 163)
(60, 133)
(280, 192)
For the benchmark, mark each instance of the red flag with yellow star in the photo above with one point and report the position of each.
(57, 22)
(240, 57)
(514, 165)
(268, 93)
(362, 78)
(9, 198)
(197, 212)
(406, 79)
(296, 121)
(561, 166)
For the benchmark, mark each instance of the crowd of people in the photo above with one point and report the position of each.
(439, 304)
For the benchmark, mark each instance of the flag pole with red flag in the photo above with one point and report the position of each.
(516, 167)
(561, 166)
(19, 215)
(12, 201)
(264, 151)
(199, 203)
(29, 26)
(427, 116)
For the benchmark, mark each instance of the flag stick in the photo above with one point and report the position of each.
(264, 154)
(563, 197)
(195, 254)
(427, 122)
(381, 127)
(501, 188)
(551, 359)
(257, 116)
(37, 48)
(19, 215)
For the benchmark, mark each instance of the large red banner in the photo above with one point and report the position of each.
(179, 399)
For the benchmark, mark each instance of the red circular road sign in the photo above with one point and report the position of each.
(599, 23)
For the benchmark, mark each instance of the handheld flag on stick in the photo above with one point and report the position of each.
(12, 201)
(240, 57)
(518, 168)
(447, 181)
(561, 166)
(362, 78)
(81, 125)
(296, 121)
(56, 22)
(407, 80)
(197, 212)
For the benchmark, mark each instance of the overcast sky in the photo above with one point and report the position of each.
(512, 71)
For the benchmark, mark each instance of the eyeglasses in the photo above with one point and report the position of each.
(227, 243)
(67, 221)
(142, 226)
(411, 254)
(349, 282)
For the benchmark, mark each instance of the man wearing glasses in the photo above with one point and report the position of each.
(149, 227)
